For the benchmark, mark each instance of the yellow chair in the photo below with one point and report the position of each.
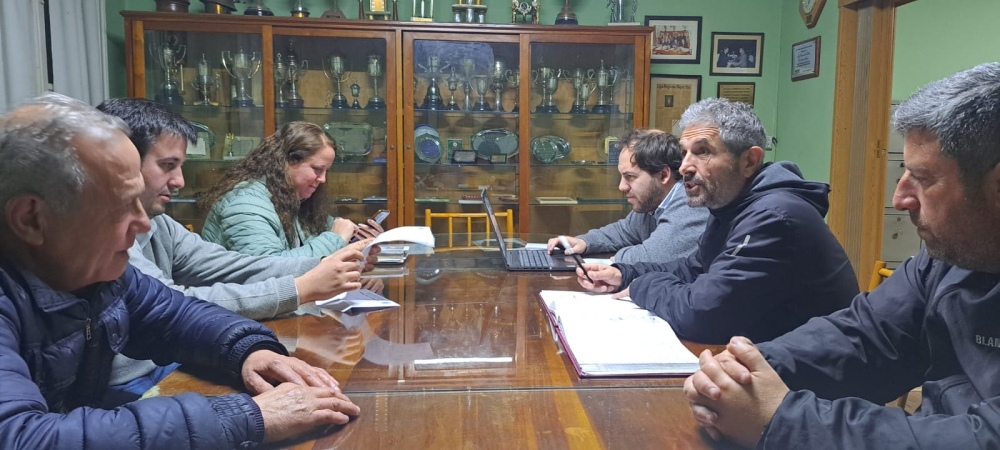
(429, 216)
(879, 273)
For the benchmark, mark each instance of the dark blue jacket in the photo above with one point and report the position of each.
(55, 360)
(931, 323)
(766, 264)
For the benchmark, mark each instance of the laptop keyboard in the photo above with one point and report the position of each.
(533, 258)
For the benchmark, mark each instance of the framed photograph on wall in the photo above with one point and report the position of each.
(669, 96)
(805, 59)
(737, 54)
(742, 92)
(676, 39)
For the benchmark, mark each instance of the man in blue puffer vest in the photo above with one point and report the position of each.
(69, 191)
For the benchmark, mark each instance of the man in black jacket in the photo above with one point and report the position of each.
(69, 190)
(767, 261)
(934, 321)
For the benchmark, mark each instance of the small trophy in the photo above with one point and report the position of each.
(296, 70)
(242, 67)
(452, 81)
(548, 79)
(299, 9)
(618, 16)
(169, 59)
(468, 68)
(481, 83)
(280, 78)
(334, 13)
(355, 92)
(514, 81)
(583, 86)
(498, 80)
(333, 67)
(605, 78)
(422, 12)
(205, 83)
(375, 72)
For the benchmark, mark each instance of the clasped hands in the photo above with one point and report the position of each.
(735, 393)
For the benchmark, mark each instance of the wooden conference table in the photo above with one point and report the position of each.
(468, 361)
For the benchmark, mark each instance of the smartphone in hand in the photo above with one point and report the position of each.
(378, 217)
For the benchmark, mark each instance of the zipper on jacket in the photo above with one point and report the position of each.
(86, 329)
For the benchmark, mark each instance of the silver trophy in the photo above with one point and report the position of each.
(498, 80)
(355, 92)
(583, 86)
(468, 69)
(169, 58)
(280, 79)
(242, 67)
(433, 69)
(452, 81)
(548, 79)
(335, 70)
(481, 83)
(514, 81)
(606, 77)
(375, 72)
(205, 82)
(296, 70)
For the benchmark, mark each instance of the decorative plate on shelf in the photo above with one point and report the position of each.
(497, 141)
(549, 148)
(427, 144)
(354, 140)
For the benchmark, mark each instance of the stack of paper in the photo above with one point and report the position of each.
(608, 337)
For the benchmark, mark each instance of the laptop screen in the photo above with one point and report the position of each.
(493, 221)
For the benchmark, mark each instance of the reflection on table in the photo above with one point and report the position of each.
(467, 358)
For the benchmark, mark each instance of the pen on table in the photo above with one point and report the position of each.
(568, 250)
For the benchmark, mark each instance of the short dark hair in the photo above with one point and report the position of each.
(148, 120)
(653, 150)
(963, 112)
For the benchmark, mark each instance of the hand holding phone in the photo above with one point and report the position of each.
(365, 230)
(380, 216)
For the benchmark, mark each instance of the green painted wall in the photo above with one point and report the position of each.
(805, 107)
(798, 114)
(967, 35)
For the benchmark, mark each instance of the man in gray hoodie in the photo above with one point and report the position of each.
(257, 287)
(661, 226)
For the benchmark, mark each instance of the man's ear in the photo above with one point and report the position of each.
(666, 176)
(27, 218)
(993, 185)
(751, 160)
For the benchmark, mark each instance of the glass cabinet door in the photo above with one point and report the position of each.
(581, 102)
(339, 83)
(213, 80)
(464, 124)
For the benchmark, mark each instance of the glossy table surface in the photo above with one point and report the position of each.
(468, 361)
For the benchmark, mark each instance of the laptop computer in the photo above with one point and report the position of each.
(522, 259)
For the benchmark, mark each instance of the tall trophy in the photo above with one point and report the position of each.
(514, 81)
(335, 70)
(169, 58)
(468, 69)
(242, 67)
(498, 80)
(375, 72)
(296, 70)
(615, 75)
(205, 83)
(334, 13)
(548, 79)
(605, 78)
(583, 86)
(481, 83)
(452, 81)
(280, 79)
(566, 16)
(433, 100)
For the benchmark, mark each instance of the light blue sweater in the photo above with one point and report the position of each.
(244, 220)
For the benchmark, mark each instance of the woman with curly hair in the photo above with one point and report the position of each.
(270, 202)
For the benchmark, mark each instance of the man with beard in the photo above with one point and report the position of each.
(934, 321)
(766, 263)
(661, 227)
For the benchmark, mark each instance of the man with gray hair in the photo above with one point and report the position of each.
(767, 261)
(934, 321)
(70, 188)
(661, 226)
